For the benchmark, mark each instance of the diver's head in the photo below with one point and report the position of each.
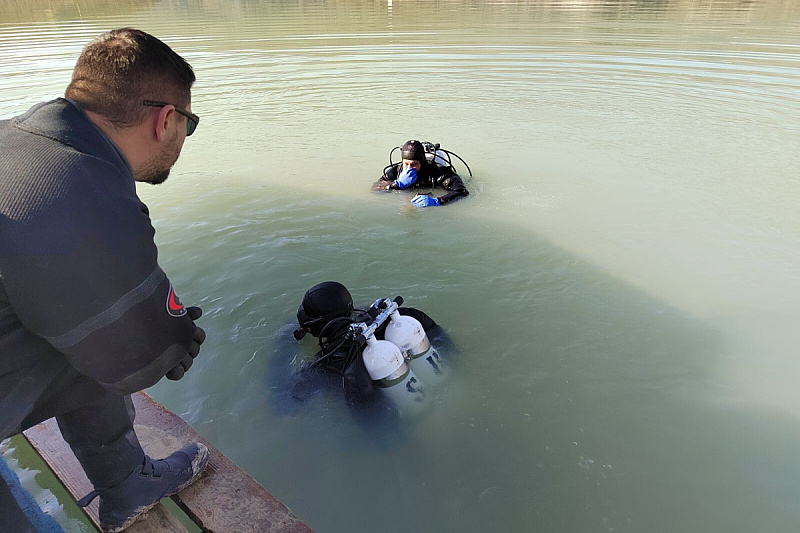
(413, 154)
(321, 304)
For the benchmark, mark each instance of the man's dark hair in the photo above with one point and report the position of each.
(122, 68)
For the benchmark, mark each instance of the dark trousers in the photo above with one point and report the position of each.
(97, 425)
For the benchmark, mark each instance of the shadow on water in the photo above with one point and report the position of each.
(576, 401)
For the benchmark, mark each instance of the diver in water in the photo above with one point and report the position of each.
(424, 166)
(376, 351)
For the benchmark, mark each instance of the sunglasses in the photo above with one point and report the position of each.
(192, 119)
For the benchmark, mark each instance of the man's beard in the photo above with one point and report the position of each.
(156, 171)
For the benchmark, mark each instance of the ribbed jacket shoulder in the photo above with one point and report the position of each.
(79, 269)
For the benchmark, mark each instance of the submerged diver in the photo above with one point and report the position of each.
(424, 165)
(381, 351)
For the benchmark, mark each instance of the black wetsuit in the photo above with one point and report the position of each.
(428, 177)
(87, 316)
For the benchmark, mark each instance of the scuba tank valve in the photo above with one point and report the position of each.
(378, 312)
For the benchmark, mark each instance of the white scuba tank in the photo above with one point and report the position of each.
(407, 333)
(386, 366)
(438, 157)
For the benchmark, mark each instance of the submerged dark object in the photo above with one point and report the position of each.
(347, 336)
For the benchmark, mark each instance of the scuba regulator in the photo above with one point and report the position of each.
(434, 154)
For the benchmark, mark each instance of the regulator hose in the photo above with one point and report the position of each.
(438, 149)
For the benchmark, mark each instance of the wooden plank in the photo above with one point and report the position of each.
(47, 441)
(226, 499)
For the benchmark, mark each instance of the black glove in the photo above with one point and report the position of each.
(180, 369)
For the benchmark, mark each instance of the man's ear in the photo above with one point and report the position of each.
(163, 120)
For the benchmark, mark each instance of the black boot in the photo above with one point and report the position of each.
(126, 502)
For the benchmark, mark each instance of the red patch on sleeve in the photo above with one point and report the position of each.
(174, 304)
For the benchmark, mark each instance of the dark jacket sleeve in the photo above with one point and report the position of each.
(453, 184)
(80, 269)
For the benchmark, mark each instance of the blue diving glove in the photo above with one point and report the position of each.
(406, 178)
(423, 200)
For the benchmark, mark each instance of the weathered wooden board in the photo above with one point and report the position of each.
(47, 441)
(224, 500)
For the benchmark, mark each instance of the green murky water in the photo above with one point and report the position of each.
(620, 287)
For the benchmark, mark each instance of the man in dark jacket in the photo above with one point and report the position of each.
(416, 172)
(87, 316)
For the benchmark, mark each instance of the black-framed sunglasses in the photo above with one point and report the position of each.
(191, 123)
